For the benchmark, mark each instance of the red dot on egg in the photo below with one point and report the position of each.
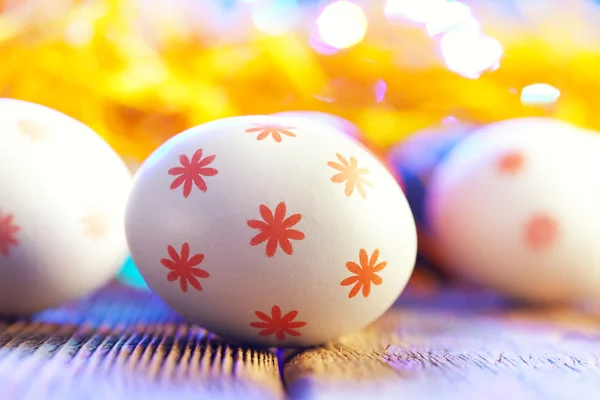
(541, 232)
(511, 162)
(8, 231)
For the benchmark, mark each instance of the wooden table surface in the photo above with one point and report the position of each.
(451, 344)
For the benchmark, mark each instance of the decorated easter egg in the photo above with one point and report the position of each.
(271, 231)
(62, 203)
(414, 161)
(515, 206)
(335, 121)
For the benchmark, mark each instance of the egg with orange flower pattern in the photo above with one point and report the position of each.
(62, 204)
(514, 207)
(271, 230)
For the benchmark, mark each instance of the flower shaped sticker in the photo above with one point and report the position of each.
(277, 324)
(192, 172)
(182, 267)
(351, 174)
(274, 130)
(7, 233)
(364, 274)
(275, 229)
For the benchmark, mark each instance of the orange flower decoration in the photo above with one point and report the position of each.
(7, 233)
(511, 162)
(192, 172)
(351, 174)
(365, 273)
(276, 324)
(182, 267)
(541, 232)
(274, 130)
(275, 229)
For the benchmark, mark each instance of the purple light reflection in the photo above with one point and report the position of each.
(380, 89)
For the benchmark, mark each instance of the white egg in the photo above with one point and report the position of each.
(269, 230)
(62, 200)
(516, 206)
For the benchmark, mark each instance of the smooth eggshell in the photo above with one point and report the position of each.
(343, 126)
(243, 276)
(516, 206)
(62, 200)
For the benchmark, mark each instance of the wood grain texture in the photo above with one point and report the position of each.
(457, 345)
(434, 344)
(125, 344)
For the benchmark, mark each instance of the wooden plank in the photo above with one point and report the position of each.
(457, 345)
(125, 344)
(122, 344)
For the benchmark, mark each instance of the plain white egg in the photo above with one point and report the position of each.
(62, 198)
(516, 206)
(272, 231)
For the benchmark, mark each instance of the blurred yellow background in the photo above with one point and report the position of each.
(141, 71)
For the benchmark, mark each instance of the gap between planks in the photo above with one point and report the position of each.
(125, 344)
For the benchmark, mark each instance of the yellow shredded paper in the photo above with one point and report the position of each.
(139, 72)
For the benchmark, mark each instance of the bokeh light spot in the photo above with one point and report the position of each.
(539, 94)
(342, 24)
(79, 33)
(380, 89)
(469, 53)
(317, 43)
(451, 15)
(276, 17)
